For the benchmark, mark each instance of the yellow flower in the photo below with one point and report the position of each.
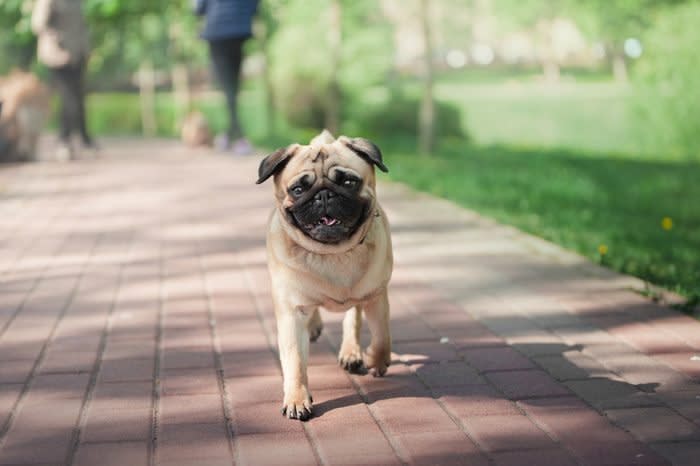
(666, 223)
(602, 249)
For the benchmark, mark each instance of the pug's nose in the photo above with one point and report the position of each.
(324, 196)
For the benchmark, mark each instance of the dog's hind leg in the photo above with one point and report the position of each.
(315, 325)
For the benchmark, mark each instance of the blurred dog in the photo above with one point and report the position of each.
(25, 109)
(195, 130)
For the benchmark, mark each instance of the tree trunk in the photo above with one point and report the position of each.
(270, 111)
(332, 117)
(551, 71)
(619, 67)
(550, 63)
(426, 116)
(147, 97)
(181, 92)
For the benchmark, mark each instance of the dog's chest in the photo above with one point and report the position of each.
(342, 271)
(338, 282)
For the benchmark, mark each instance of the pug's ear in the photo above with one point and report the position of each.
(365, 149)
(275, 162)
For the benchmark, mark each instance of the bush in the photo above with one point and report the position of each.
(301, 58)
(667, 97)
(120, 114)
(397, 115)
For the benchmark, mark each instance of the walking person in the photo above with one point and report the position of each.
(228, 26)
(63, 46)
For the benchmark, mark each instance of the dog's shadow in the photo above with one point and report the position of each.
(416, 376)
(401, 386)
(336, 403)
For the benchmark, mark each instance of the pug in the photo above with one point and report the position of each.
(328, 246)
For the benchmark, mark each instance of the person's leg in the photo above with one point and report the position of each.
(80, 104)
(226, 58)
(61, 81)
(236, 57)
(74, 102)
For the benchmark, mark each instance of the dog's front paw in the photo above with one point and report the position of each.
(350, 359)
(377, 361)
(298, 404)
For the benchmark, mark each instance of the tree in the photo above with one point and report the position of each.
(267, 25)
(146, 40)
(316, 70)
(335, 42)
(667, 82)
(17, 42)
(426, 117)
(612, 22)
(538, 16)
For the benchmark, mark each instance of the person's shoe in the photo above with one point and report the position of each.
(64, 152)
(242, 147)
(90, 149)
(222, 143)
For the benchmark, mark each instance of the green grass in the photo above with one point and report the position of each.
(119, 113)
(577, 200)
(588, 116)
(563, 163)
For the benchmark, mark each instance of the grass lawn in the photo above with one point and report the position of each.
(589, 117)
(579, 201)
(559, 162)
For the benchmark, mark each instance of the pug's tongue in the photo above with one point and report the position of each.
(329, 221)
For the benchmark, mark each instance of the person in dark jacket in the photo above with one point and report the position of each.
(228, 26)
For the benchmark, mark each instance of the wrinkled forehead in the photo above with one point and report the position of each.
(323, 160)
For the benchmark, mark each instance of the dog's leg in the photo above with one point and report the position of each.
(293, 341)
(378, 355)
(350, 356)
(315, 325)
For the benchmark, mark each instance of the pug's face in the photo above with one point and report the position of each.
(326, 190)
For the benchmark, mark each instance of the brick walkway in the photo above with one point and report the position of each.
(136, 328)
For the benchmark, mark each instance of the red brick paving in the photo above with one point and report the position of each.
(136, 328)
(589, 436)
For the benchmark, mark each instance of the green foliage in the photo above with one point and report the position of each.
(396, 114)
(119, 114)
(125, 33)
(17, 43)
(667, 98)
(300, 72)
(518, 13)
(301, 58)
(614, 21)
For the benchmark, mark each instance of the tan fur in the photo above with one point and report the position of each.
(351, 276)
(195, 130)
(25, 108)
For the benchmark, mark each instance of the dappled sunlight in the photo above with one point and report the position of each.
(170, 316)
(553, 324)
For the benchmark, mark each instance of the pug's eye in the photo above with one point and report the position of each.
(296, 190)
(349, 183)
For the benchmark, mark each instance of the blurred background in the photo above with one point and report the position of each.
(576, 120)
